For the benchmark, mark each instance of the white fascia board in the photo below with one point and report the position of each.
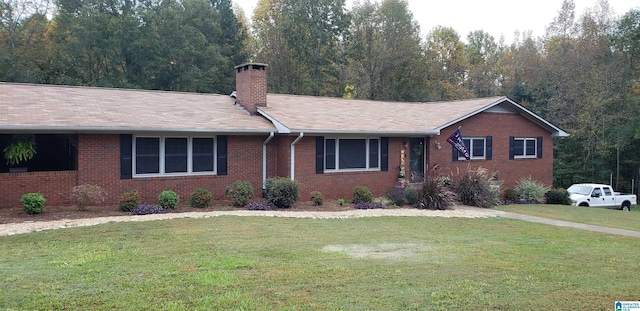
(282, 129)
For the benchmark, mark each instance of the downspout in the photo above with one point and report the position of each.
(264, 158)
(293, 154)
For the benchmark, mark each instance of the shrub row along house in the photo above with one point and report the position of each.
(123, 139)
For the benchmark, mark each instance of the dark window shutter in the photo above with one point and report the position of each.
(384, 154)
(489, 147)
(222, 155)
(539, 147)
(319, 154)
(126, 156)
(454, 153)
(511, 139)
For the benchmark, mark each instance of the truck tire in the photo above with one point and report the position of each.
(626, 206)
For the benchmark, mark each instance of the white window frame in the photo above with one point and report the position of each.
(162, 152)
(470, 148)
(337, 155)
(524, 146)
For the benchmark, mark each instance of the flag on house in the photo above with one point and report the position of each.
(456, 140)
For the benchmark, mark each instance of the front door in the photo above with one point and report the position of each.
(416, 160)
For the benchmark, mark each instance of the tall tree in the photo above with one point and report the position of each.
(386, 59)
(448, 65)
(304, 37)
(24, 42)
(483, 56)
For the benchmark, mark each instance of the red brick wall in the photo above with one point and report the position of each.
(500, 126)
(340, 185)
(53, 185)
(99, 163)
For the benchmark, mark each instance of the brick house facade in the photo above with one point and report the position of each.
(209, 141)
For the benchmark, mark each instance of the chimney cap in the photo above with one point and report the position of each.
(254, 64)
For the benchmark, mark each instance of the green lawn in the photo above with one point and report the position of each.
(264, 263)
(586, 215)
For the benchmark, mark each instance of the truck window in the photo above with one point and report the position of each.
(597, 192)
(607, 192)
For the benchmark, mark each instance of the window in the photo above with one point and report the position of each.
(480, 148)
(476, 147)
(524, 147)
(352, 154)
(173, 155)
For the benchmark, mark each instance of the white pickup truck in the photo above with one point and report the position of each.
(597, 195)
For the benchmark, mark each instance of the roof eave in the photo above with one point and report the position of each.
(77, 129)
(376, 133)
(555, 131)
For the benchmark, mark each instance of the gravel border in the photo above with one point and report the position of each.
(34, 226)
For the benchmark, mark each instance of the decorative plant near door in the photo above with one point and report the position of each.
(22, 148)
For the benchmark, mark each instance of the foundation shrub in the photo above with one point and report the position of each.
(411, 195)
(361, 194)
(146, 208)
(432, 195)
(260, 206)
(168, 199)
(531, 191)
(475, 188)
(281, 192)
(557, 196)
(86, 195)
(32, 203)
(368, 205)
(239, 192)
(396, 195)
(201, 198)
(129, 200)
(316, 198)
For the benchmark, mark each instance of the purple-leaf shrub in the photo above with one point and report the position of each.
(368, 205)
(146, 208)
(259, 206)
(87, 194)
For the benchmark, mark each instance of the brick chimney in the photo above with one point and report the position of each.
(251, 86)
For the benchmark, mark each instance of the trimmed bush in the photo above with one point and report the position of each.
(368, 205)
(396, 195)
(32, 203)
(85, 195)
(146, 208)
(531, 191)
(168, 199)
(411, 195)
(316, 198)
(510, 195)
(240, 192)
(201, 198)
(281, 192)
(361, 194)
(557, 196)
(475, 188)
(431, 195)
(129, 200)
(260, 206)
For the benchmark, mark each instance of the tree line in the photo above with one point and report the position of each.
(583, 75)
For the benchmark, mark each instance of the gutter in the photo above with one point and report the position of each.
(293, 154)
(264, 159)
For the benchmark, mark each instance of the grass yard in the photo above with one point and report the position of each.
(585, 215)
(262, 263)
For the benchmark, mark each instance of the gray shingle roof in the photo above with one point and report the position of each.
(327, 115)
(68, 108)
(30, 107)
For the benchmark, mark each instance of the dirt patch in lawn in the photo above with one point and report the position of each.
(380, 251)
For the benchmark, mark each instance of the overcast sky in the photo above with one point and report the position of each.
(497, 17)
